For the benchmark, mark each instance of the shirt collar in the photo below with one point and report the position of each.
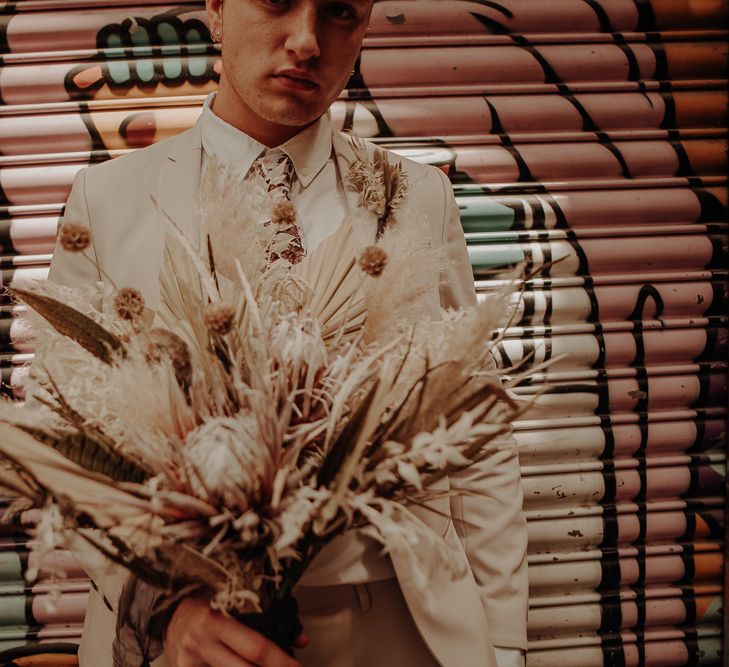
(309, 150)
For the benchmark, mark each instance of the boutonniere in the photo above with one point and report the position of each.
(381, 185)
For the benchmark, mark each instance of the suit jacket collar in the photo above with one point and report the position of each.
(179, 180)
(309, 150)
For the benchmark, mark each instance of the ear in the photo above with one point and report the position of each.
(214, 10)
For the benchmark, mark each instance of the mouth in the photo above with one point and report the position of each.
(295, 79)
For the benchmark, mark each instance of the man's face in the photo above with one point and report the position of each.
(286, 61)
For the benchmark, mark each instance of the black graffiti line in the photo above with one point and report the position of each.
(646, 292)
(684, 164)
(646, 17)
(546, 259)
(691, 639)
(538, 205)
(659, 54)
(716, 529)
(493, 26)
(539, 218)
(497, 7)
(610, 565)
(633, 67)
(535, 188)
(357, 82)
(505, 359)
(528, 299)
(531, 347)
(548, 307)
(669, 114)
(97, 142)
(602, 17)
(383, 129)
(606, 141)
(528, 258)
(525, 173)
(556, 209)
(640, 602)
(712, 209)
(4, 46)
(588, 123)
(583, 268)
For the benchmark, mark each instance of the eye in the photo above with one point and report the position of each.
(341, 12)
(277, 4)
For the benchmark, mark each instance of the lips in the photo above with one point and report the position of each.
(296, 79)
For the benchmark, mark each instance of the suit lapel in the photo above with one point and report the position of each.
(343, 154)
(364, 223)
(455, 627)
(179, 183)
(450, 615)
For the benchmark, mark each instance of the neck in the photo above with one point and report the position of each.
(229, 107)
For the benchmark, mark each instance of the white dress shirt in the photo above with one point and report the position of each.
(317, 192)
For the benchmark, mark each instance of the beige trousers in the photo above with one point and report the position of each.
(368, 625)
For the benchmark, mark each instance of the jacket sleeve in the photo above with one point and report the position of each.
(487, 503)
(69, 268)
(79, 270)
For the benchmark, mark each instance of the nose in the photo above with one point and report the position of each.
(302, 41)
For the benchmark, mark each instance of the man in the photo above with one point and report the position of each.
(284, 63)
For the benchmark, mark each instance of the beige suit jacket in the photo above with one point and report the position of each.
(487, 606)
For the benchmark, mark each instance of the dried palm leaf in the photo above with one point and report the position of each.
(336, 297)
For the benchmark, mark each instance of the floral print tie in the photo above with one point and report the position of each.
(277, 171)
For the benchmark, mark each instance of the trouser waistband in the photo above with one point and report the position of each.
(311, 598)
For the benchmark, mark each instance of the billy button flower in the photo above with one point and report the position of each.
(74, 237)
(284, 214)
(129, 304)
(219, 318)
(373, 260)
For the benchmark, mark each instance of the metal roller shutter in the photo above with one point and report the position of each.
(585, 139)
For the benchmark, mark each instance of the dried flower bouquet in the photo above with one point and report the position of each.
(266, 409)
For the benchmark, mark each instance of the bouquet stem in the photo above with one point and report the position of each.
(280, 623)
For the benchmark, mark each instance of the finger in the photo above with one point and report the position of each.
(186, 660)
(253, 646)
(219, 655)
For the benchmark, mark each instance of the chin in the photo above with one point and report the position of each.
(295, 117)
(290, 112)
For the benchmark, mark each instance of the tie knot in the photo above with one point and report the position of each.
(277, 171)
